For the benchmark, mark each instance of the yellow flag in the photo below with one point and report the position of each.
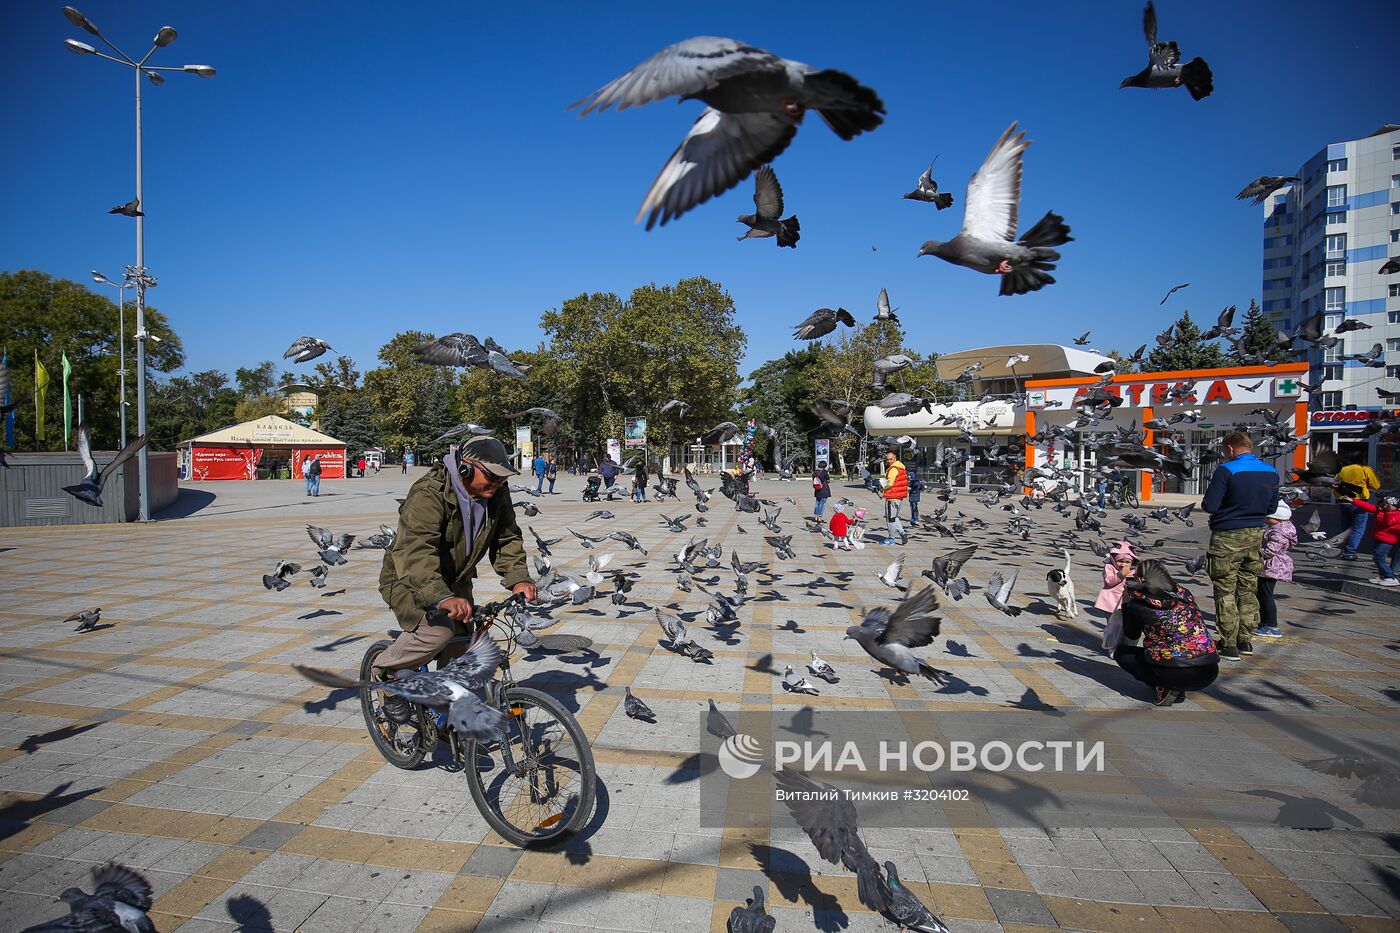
(41, 391)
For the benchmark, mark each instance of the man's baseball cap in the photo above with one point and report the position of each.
(489, 453)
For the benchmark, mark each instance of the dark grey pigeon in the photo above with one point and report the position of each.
(1260, 188)
(549, 418)
(991, 215)
(752, 917)
(927, 190)
(87, 619)
(332, 547)
(1164, 68)
(131, 208)
(822, 322)
(635, 708)
(380, 540)
(681, 408)
(829, 819)
(90, 489)
(453, 350)
(280, 578)
(768, 208)
(318, 576)
(754, 104)
(906, 909)
(117, 905)
(304, 349)
(1389, 267)
(883, 311)
(1172, 291)
(890, 636)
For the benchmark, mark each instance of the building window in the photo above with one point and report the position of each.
(1395, 181)
(1395, 153)
(1332, 321)
(1336, 245)
(1279, 283)
(1337, 219)
(1392, 344)
(1395, 208)
(1331, 400)
(1336, 268)
(1392, 317)
(1392, 372)
(1337, 165)
(1334, 299)
(1394, 291)
(1336, 195)
(1395, 236)
(1333, 355)
(1331, 373)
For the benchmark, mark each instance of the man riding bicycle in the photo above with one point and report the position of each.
(456, 515)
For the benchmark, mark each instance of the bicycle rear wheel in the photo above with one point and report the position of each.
(1130, 498)
(402, 745)
(537, 784)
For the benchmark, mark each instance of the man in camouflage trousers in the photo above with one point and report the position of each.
(1243, 492)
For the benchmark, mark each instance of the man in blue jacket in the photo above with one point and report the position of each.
(1243, 492)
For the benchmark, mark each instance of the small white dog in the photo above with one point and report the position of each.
(1062, 588)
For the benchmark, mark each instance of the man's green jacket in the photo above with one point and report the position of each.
(431, 560)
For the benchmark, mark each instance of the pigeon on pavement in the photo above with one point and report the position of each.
(635, 708)
(768, 208)
(906, 909)
(822, 669)
(304, 349)
(890, 636)
(927, 190)
(752, 917)
(87, 619)
(89, 490)
(1164, 68)
(796, 683)
(991, 212)
(755, 101)
(118, 904)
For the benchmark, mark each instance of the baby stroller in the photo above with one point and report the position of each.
(590, 492)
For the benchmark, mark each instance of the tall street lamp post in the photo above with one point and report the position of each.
(140, 277)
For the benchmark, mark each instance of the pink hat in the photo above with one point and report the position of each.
(860, 513)
(1122, 549)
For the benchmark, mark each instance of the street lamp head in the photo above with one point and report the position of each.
(79, 20)
(204, 71)
(79, 48)
(156, 79)
(166, 36)
(101, 279)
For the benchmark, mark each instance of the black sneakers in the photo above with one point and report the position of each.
(1228, 652)
(1245, 646)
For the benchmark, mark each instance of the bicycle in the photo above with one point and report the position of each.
(523, 784)
(1124, 495)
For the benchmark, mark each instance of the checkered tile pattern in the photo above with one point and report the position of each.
(177, 740)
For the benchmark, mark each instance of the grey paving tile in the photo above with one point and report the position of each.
(1024, 907)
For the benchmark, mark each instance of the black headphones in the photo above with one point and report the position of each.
(465, 469)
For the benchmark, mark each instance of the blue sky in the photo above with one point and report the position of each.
(356, 169)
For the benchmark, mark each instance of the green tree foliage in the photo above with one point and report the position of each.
(1259, 337)
(58, 316)
(348, 416)
(410, 400)
(1186, 351)
(257, 380)
(253, 407)
(486, 398)
(183, 407)
(779, 393)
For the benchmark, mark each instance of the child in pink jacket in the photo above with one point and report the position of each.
(1116, 571)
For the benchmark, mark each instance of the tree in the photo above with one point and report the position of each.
(778, 396)
(1186, 350)
(257, 380)
(57, 317)
(1259, 338)
(408, 398)
(253, 407)
(349, 417)
(188, 406)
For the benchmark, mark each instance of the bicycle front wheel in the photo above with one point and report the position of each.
(1130, 498)
(538, 783)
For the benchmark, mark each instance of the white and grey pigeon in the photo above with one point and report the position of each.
(118, 904)
(822, 322)
(1164, 68)
(927, 190)
(999, 593)
(891, 575)
(87, 619)
(318, 576)
(794, 682)
(280, 578)
(768, 209)
(883, 311)
(332, 547)
(305, 349)
(890, 636)
(676, 405)
(991, 215)
(820, 668)
(384, 538)
(755, 102)
(89, 490)
(635, 708)
(466, 427)
(457, 687)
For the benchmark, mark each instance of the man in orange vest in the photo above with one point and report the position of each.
(896, 484)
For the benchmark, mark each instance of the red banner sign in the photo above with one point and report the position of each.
(208, 463)
(332, 461)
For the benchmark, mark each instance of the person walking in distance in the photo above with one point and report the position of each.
(1242, 494)
(1361, 477)
(551, 472)
(1280, 538)
(455, 516)
(896, 491)
(821, 488)
(312, 469)
(539, 467)
(608, 470)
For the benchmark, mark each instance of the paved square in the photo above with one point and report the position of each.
(177, 739)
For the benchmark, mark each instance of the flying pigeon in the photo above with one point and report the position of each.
(1172, 291)
(628, 539)
(768, 207)
(384, 538)
(549, 418)
(89, 490)
(682, 408)
(999, 593)
(752, 917)
(829, 819)
(1164, 68)
(279, 579)
(131, 208)
(1260, 188)
(946, 568)
(456, 687)
(927, 190)
(820, 668)
(635, 708)
(332, 547)
(891, 636)
(456, 349)
(883, 311)
(991, 212)
(1389, 267)
(304, 349)
(87, 619)
(890, 577)
(796, 683)
(755, 101)
(118, 904)
(466, 427)
(1082, 340)
(543, 544)
(318, 576)
(822, 322)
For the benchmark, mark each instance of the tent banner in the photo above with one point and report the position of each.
(332, 461)
(208, 463)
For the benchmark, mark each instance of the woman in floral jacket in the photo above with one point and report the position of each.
(1177, 653)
